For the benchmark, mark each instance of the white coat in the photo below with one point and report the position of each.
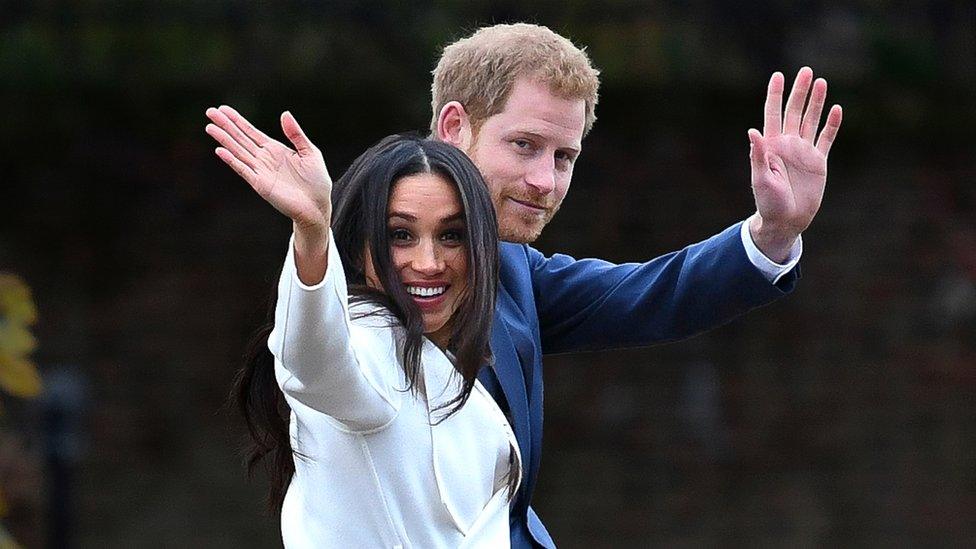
(372, 469)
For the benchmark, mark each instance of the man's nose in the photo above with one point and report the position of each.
(426, 259)
(542, 176)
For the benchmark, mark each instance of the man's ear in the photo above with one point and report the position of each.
(454, 125)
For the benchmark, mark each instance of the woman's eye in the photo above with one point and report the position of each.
(453, 237)
(399, 235)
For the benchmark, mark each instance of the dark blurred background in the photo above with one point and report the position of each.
(842, 415)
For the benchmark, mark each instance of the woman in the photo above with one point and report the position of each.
(382, 321)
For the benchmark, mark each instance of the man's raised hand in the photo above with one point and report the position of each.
(789, 162)
(294, 181)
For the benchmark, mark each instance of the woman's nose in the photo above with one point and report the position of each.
(426, 259)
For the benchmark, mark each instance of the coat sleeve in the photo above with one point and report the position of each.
(324, 361)
(591, 304)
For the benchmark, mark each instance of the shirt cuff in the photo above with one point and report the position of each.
(771, 270)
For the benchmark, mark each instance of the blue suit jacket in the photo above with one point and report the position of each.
(559, 304)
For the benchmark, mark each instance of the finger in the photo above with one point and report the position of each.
(757, 151)
(221, 120)
(798, 98)
(830, 130)
(234, 147)
(295, 134)
(811, 119)
(241, 168)
(772, 122)
(255, 134)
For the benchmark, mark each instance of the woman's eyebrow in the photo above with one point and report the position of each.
(412, 218)
(408, 217)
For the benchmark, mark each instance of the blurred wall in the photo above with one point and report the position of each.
(841, 415)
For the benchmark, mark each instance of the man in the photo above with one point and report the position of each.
(518, 99)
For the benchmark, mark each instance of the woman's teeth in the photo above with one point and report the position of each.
(425, 292)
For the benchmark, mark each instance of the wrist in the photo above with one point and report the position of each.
(773, 241)
(311, 252)
(311, 239)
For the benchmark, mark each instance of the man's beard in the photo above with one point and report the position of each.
(523, 229)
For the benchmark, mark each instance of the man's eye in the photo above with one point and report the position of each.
(522, 144)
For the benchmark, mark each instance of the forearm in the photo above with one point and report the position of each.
(590, 304)
(317, 359)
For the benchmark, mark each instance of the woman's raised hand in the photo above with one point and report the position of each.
(296, 182)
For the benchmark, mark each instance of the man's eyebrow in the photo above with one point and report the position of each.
(412, 218)
(575, 148)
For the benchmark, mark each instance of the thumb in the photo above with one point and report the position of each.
(294, 133)
(757, 150)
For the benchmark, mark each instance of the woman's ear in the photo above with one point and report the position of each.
(454, 125)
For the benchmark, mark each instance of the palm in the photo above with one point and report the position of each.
(789, 188)
(296, 182)
(789, 167)
(296, 186)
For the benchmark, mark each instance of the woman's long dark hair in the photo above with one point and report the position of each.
(359, 219)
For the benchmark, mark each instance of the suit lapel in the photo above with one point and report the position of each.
(506, 374)
(530, 377)
(522, 341)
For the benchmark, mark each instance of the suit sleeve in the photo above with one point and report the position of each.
(591, 304)
(324, 361)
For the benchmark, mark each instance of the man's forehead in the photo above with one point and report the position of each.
(532, 107)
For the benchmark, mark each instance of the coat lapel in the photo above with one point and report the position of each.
(459, 446)
(440, 386)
